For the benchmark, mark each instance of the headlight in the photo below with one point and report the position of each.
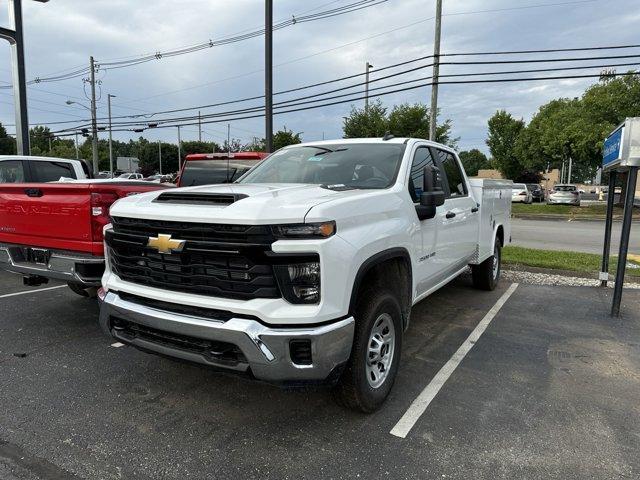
(305, 230)
(299, 282)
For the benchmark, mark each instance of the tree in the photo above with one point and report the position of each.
(7, 143)
(285, 137)
(474, 160)
(404, 120)
(363, 123)
(282, 138)
(504, 131)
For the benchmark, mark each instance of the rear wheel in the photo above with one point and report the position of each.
(487, 274)
(373, 365)
(89, 292)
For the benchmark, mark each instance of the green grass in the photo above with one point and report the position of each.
(558, 260)
(585, 210)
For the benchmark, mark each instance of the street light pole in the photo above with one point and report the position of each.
(77, 152)
(268, 75)
(94, 125)
(179, 149)
(433, 113)
(109, 97)
(160, 155)
(14, 35)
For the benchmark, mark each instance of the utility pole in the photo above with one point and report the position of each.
(77, 152)
(179, 149)
(14, 35)
(49, 137)
(94, 125)
(160, 155)
(268, 75)
(570, 166)
(433, 113)
(109, 97)
(228, 148)
(199, 126)
(366, 88)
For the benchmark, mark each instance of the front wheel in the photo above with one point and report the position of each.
(375, 356)
(486, 275)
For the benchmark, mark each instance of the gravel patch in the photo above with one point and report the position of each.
(551, 279)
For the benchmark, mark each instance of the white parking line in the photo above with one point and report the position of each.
(31, 291)
(117, 345)
(420, 404)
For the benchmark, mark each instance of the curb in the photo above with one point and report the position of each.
(517, 267)
(566, 218)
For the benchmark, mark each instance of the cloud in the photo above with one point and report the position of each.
(62, 35)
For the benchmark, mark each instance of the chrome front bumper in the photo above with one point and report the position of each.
(67, 267)
(266, 352)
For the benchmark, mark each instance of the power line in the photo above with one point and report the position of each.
(348, 87)
(257, 97)
(361, 97)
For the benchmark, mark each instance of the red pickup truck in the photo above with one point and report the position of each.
(54, 230)
(213, 168)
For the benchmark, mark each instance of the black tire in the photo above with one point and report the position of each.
(484, 276)
(88, 292)
(354, 389)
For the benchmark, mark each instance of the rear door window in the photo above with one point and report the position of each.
(50, 171)
(12, 171)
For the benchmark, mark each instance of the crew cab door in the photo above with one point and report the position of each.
(458, 217)
(429, 267)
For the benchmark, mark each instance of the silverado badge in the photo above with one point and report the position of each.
(165, 244)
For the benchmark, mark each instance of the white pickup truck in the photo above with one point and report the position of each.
(305, 269)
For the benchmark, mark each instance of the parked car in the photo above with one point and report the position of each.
(158, 178)
(306, 269)
(520, 194)
(537, 193)
(130, 176)
(564, 194)
(54, 230)
(213, 168)
(26, 169)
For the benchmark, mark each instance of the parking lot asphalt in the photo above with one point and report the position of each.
(548, 391)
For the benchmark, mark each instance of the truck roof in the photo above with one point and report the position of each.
(31, 157)
(224, 156)
(370, 140)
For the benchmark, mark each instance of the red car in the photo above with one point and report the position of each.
(54, 230)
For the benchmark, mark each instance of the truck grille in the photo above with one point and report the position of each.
(229, 261)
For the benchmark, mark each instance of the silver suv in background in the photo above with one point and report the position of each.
(564, 194)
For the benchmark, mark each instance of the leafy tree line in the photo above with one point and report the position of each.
(44, 143)
(561, 129)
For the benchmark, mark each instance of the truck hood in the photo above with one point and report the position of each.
(263, 204)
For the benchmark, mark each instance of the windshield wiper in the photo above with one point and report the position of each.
(338, 187)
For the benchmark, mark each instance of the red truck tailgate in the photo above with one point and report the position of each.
(46, 215)
(59, 215)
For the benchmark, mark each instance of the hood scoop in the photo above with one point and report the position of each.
(188, 198)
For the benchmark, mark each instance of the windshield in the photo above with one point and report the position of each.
(565, 188)
(351, 165)
(210, 172)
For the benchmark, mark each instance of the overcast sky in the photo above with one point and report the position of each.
(62, 34)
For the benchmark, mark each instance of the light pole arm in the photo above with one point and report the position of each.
(8, 35)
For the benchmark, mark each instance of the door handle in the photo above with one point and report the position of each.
(33, 192)
(474, 209)
(450, 215)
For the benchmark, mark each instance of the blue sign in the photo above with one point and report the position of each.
(612, 149)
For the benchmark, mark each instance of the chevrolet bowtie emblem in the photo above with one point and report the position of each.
(165, 244)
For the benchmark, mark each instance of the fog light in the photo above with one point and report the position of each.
(300, 282)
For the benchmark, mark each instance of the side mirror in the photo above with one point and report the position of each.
(432, 195)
